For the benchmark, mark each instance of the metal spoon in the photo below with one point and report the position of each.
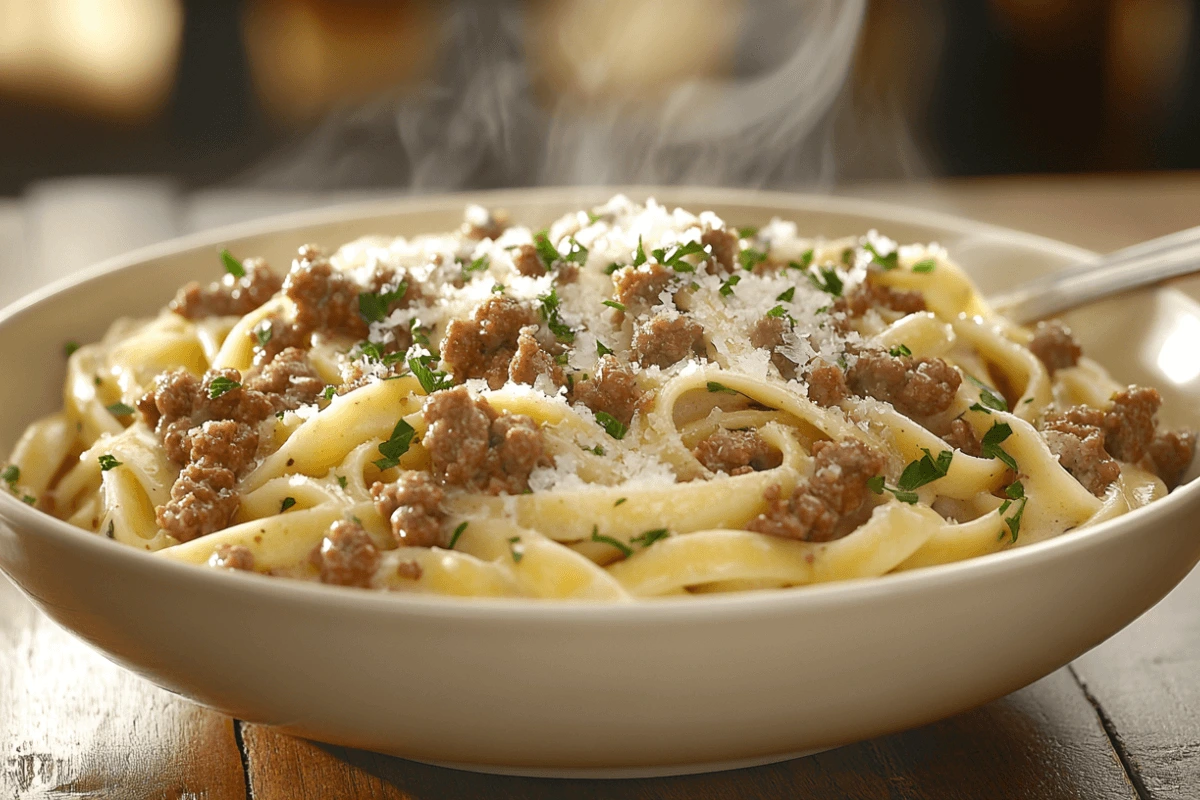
(1139, 265)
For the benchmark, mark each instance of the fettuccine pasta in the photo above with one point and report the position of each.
(637, 402)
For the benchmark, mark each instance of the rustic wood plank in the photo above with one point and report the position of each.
(73, 724)
(1042, 742)
(1146, 681)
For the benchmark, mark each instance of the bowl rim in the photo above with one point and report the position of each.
(31, 521)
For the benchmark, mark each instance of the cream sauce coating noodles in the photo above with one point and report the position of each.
(637, 402)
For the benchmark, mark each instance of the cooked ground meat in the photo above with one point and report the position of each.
(870, 295)
(736, 452)
(484, 346)
(525, 259)
(413, 507)
(613, 390)
(203, 500)
(288, 380)
(326, 299)
(230, 295)
(347, 556)
(233, 556)
(1077, 438)
(837, 490)
(826, 384)
(1170, 454)
(638, 288)
(215, 439)
(473, 447)
(409, 569)
(1129, 424)
(488, 225)
(961, 436)
(768, 334)
(724, 248)
(531, 360)
(1054, 346)
(662, 341)
(917, 387)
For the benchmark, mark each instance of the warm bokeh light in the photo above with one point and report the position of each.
(112, 57)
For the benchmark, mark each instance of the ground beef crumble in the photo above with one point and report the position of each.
(916, 387)
(826, 384)
(724, 248)
(663, 340)
(869, 295)
(532, 360)
(413, 507)
(346, 556)
(215, 439)
(613, 390)
(1054, 346)
(233, 556)
(1076, 437)
(484, 346)
(736, 452)
(526, 261)
(837, 491)
(228, 296)
(961, 436)
(768, 334)
(639, 288)
(473, 447)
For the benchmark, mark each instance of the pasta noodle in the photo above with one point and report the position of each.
(637, 402)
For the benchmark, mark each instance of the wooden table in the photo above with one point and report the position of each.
(1123, 721)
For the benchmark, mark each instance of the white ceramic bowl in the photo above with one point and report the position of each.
(677, 685)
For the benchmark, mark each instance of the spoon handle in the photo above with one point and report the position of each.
(1141, 264)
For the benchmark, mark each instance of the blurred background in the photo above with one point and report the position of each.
(320, 95)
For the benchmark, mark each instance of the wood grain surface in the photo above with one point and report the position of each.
(1122, 722)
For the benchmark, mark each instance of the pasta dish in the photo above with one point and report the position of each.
(633, 403)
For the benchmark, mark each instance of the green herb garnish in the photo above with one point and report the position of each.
(639, 256)
(878, 486)
(828, 281)
(232, 265)
(287, 503)
(924, 266)
(1016, 494)
(549, 310)
(498, 288)
(751, 258)
(787, 294)
(989, 446)
(727, 285)
(746, 232)
(673, 256)
(714, 386)
(221, 385)
(120, 409)
(108, 462)
(395, 446)
(602, 349)
(925, 470)
(614, 304)
(373, 306)
(341, 479)
(613, 426)
(431, 380)
(329, 391)
(899, 351)
(988, 396)
(806, 259)
(547, 252)
(516, 548)
(11, 474)
(263, 333)
(625, 549)
(650, 537)
(478, 265)
(458, 531)
(888, 262)
(69, 348)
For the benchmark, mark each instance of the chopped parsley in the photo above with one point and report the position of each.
(878, 486)
(395, 446)
(620, 500)
(888, 262)
(613, 426)
(221, 385)
(547, 252)
(1015, 492)
(597, 450)
(673, 256)
(727, 285)
(516, 548)
(781, 312)
(613, 267)
(899, 351)
(926, 265)
(498, 288)
(639, 257)
(614, 304)
(70, 347)
(11, 474)
(827, 281)
(578, 253)
(562, 359)
(549, 310)
(989, 446)
(988, 397)
(751, 258)
(458, 531)
(329, 392)
(232, 265)
(120, 410)
(373, 306)
(650, 537)
(747, 232)
(263, 333)
(431, 380)
(848, 256)
(787, 294)
(108, 462)
(625, 549)
(806, 259)
(28, 499)
(341, 479)
(287, 503)
(478, 265)
(111, 531)
(714, 386)
(602, 349)
(925, 470)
